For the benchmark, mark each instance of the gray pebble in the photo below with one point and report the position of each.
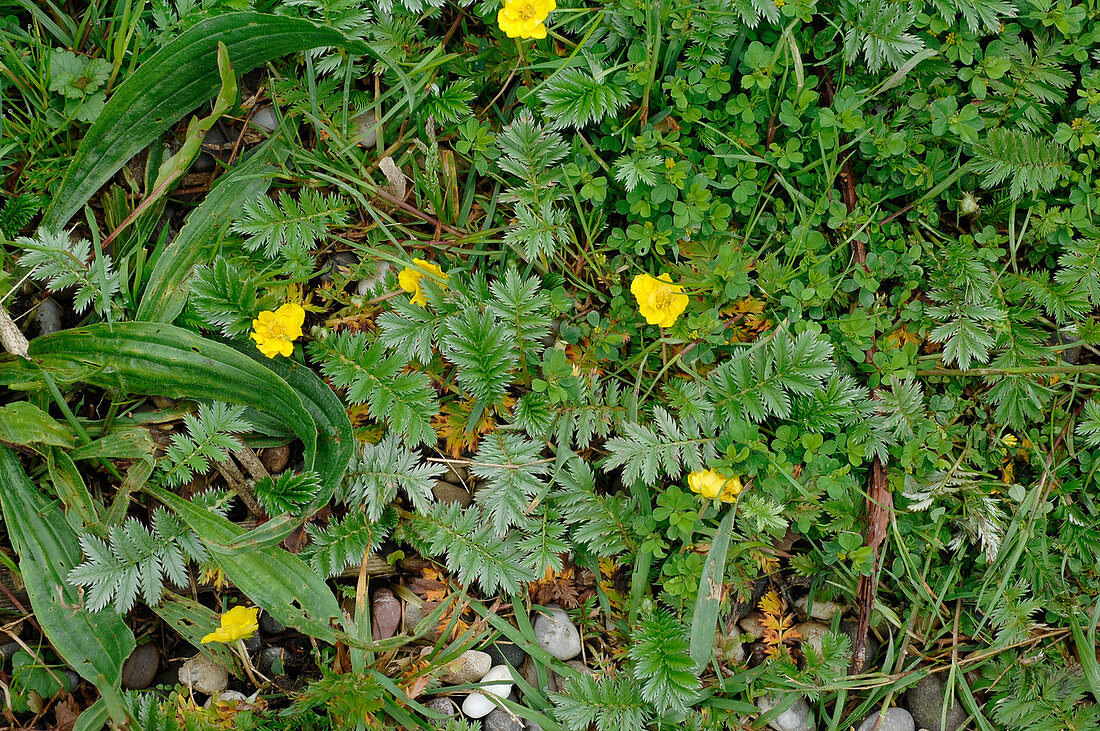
(232, 698)
(795, 718)
(271, 661)
(925, 701)
(365, 126)
(500, 720)
(871, 647)
(557, 635)
(893, 719)
(445, 492)
(271, 626)
(48, 316)
(752, 624)
(9, 649)
(442, 704)
(74, 679)
(813, 634)
(506, 653)
(204, 675)
(266, 119)
(253, 643)
(141, 667)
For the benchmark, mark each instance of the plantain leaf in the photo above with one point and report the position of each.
(705, 619)
(272, 577)
(193, 621)
(157, 94)
(336, 440)
(163, 360)
(70, 487)
(166, 293)
(94, 644)
(24, 423)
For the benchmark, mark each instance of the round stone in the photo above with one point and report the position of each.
(469, 667)
(925, 702)
(271, 661)
(893, 719)
(204, 675)
(141, 667)
(445, 492)
(753, 624)
(813, 634)
(385, 614)
(500, 720)
(557, 635)
(270, 626)
(503, 652)
(795, 718)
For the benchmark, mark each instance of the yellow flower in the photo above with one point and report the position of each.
(714, 485)
(524, 18)
(659, 300)
(274, 332)
(237, 624)
(409, 279)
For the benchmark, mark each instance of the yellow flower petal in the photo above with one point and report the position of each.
(660, 301)
(237, 624)
(274, 332)
(410, 277)
(713, 485)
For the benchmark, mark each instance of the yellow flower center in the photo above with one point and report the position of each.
(662, 298)
(525, 11)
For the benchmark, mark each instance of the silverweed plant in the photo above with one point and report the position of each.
(640, 364)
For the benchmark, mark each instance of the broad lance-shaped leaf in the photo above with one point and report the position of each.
(166, 293)
(163, 360)
(157, 94)
(272, 577)
(94, 645)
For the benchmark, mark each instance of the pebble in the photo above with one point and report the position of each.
(8, 650)
(275, 459)
(456, 474)
(204, 675)
(266, 119)
(795, 718)
(531, 675)
(728, 649)
(271, 626)
(48, 316)
(271, 661)
(232, 698)
(442, 704)
(752, 624)
(385, 614)
(559, 681)
(893, 719)
(365, 131)
(477, 705)
(141, 667)
(557, 635)
(507, 653)
(74, 679)
(532, 726)
(469, 667)
(823, 610)
(253, 643)
(414, 614)
(445, 492)
(501, 720)
(871, 647)
(813, 633)
(925, 702)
